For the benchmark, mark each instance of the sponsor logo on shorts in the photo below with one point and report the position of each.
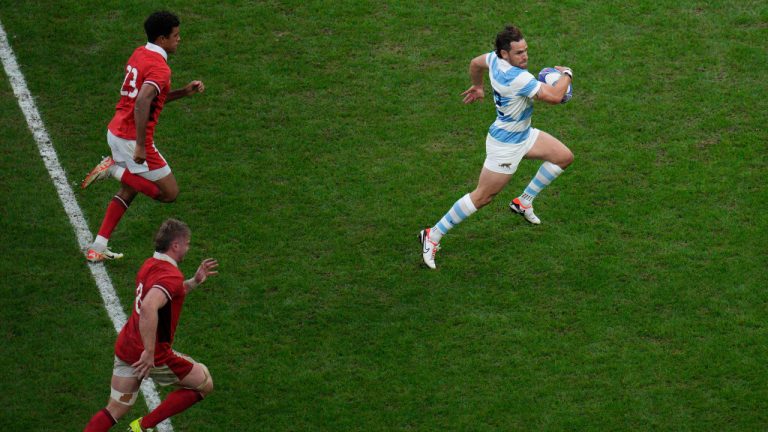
(506, 165)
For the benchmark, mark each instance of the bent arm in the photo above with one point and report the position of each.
(477, 68)
(188, 90)
(141, 110)
(153, 301)
(555, 94)
(176, 94)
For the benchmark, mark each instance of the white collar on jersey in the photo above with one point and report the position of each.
(157, 48)
(163, 257)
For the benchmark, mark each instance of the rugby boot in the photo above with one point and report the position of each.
(95, 256)
(428, 248)
(526, 212)
(135, 426)
(102, 171)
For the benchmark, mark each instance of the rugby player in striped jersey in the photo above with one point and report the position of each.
(510, 138)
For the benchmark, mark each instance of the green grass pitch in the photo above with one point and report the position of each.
(329, 135)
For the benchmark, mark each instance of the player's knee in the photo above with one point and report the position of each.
(206, 385)
(569, 157)
(169, 197)
(120, 403)
(565, 159)
(208, 389)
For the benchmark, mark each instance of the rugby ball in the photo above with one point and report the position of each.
(550, 76)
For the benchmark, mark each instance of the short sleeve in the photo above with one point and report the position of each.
(170, 285)
(531, 86)
(158, 76)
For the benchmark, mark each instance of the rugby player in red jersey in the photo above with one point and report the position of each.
(135, 160)
(144, 345)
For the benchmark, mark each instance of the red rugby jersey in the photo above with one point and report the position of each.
(147, 65)
(159, 272)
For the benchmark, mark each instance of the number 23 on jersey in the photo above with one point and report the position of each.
(129, 83)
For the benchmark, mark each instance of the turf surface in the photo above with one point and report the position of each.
(329, 135)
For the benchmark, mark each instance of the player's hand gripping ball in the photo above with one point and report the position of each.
(550, 76)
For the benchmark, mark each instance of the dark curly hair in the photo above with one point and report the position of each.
(160, 24)
(505, 38)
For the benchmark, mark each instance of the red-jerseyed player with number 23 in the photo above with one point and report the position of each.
(135, 161)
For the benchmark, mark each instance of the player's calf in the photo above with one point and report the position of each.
(482, 197)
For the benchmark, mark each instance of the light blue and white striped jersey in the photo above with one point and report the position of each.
(513, 91)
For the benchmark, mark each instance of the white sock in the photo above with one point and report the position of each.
(99, 244)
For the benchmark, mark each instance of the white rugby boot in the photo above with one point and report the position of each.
(527, 212)
(428, 248)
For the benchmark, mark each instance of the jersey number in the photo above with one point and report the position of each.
(497, 101)
(137, 303)
(129, 83)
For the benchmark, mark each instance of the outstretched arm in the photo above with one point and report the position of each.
(188, 90)
(477, 68)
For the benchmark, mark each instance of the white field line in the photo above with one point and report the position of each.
(68, 200)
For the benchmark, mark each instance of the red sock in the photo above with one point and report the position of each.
(100, 422)
(175, 403)
(115, 211)
(140, 184)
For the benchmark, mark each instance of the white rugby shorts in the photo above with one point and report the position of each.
(168, 374)
(122, 153)
(504, 158)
